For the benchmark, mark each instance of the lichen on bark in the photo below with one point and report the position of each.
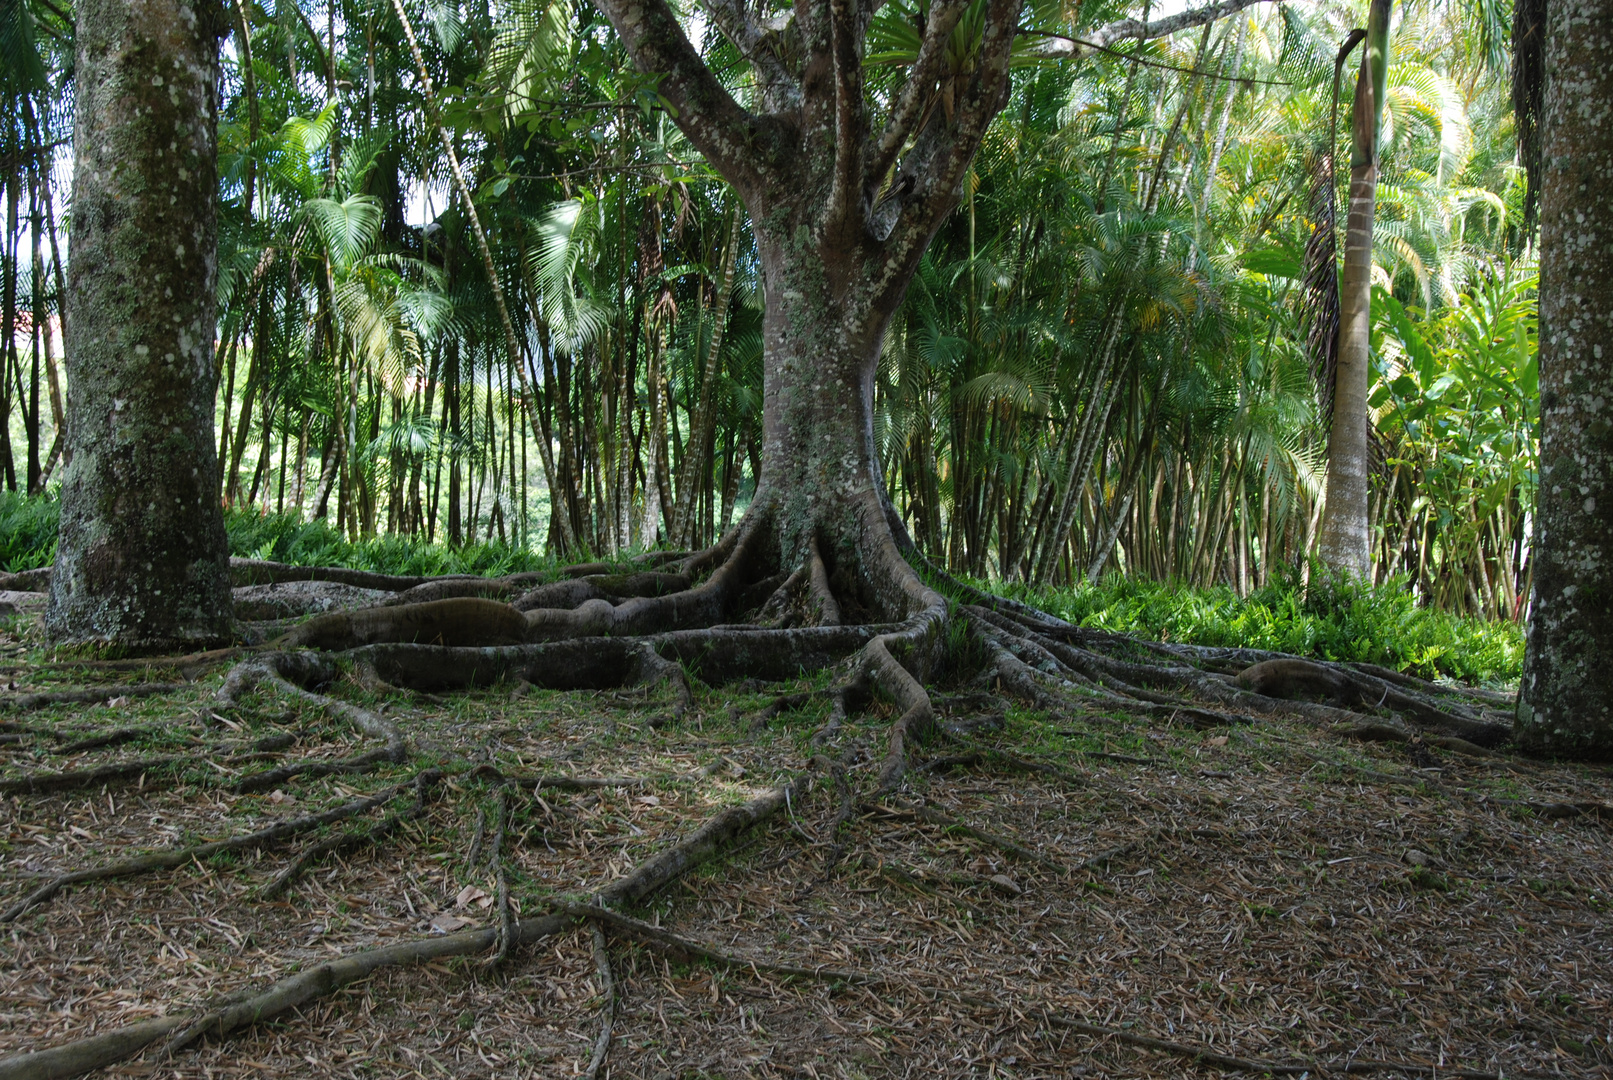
(142, 562)
(1566, 700)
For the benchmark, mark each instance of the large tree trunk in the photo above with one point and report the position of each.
(1566, 703)
(820, 479)
(1345, 541)
(143, 561)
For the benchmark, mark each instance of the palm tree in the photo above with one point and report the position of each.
(1345, 537)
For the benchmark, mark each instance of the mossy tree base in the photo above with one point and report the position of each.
(142, 561)
(1566, 703)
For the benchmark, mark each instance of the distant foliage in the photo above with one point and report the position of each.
(1101, 363)
(1328, 620)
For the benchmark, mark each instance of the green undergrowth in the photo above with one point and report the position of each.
(27, 531)
(282, 538)
(28, 540)
(1328, 620)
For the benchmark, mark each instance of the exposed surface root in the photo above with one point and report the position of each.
(26, 581)
(1294, 678)
(655, 935)
(941, 908)
(917, 641)
(607, 1007)
(554, 783)
(706, 842)
(351, 841)
(111, 738)
(931, 816)
(612, 588)
(1010, 761)
(1271, 685)
(506, 913)
(465, 620)
(191, 665)
(40, 783)
(325, 979)
(45, 698)
(261, 572)
(282, 672)
(260, 604)
(168, 860)
(652, 670)
(837, 845)
(716, 655)
(455, 588)
(775, 597)
(1354, 1066)
(88, 1054)
(818, 581)
(757, 608)
(270, 779)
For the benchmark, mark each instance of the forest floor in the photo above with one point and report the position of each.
(1263, 892)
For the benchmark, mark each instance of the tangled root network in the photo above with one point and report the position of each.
(918, 657)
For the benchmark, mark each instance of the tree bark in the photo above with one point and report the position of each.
(1566, 701)
(143, 562)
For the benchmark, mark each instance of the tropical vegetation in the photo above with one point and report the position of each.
(1104, 364)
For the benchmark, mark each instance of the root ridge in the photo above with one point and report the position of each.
(171, 859)
(324, 979)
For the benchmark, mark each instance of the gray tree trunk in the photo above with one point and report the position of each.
(1346, 543)
(1566, 703)
(143, 563)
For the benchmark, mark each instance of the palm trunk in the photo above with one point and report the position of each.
(1346, 532)
(8, 324)
(697, 457)
(659, 399)
(567, 540)
(1094, 423)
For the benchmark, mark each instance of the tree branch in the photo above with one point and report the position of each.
(844, 35)
(942, 155)
(920, 84)
(717, 124)
(1135, 30)
(779, 88)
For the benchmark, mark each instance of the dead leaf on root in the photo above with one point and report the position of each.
(470, 894)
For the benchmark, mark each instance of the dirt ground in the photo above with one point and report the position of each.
(1264, 892)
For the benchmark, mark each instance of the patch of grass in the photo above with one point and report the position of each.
(1329, 620)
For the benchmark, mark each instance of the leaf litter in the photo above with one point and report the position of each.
(1264, 893)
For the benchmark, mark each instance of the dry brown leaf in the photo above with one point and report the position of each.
(471, 894)
(447, 924)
